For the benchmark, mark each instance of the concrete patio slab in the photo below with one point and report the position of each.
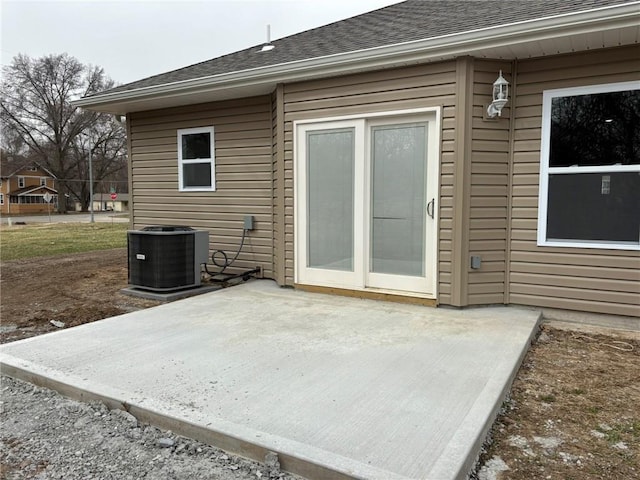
(338, 387)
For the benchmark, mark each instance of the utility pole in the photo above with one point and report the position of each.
(91, 182)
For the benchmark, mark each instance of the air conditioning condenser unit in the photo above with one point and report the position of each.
(166, 258)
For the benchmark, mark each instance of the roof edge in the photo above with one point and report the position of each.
(26, 165)
(627, 14)
(28, 190)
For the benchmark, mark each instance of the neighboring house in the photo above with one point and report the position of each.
(366, 154)
(102, 202)
(25, 186)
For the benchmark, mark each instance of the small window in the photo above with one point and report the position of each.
(590, 167)
(43, 181)
(1, 198)
(20, 182)
(196, 159)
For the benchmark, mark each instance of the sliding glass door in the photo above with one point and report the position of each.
(365, 204)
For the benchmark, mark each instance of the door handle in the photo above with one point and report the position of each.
(431, 204)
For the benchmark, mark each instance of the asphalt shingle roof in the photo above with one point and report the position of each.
(403, 22)
(12, 164)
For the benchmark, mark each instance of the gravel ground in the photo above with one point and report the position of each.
(47, 436)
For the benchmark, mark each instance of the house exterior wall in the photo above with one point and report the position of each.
(488, 188)
(243, 136)
(31, 179)
(432, 85)
(594, 280)
(489, 172)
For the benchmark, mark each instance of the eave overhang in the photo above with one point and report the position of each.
(548, 36)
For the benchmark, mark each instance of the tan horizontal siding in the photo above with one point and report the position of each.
(585, 305)
(602, 281)
(597, 283)
(279, 180)
(243, 162)
(486, 298)
(386, 90)
(490, 148)
(242, 130)
(440, 92)
(591, 293)
(590, 271)
(445, 230)
(525, 252)
(163, 136)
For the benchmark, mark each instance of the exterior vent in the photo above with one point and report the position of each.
(164, 259)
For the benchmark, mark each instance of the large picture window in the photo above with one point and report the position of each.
(196, 159)
(590, 167)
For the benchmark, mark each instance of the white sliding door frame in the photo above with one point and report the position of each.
(360, 278)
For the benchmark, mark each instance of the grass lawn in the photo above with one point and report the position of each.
(57, 239)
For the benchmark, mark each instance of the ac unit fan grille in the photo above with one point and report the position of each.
(161, 262)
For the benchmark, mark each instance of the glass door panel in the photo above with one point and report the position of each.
(330, 199)
(398, 200)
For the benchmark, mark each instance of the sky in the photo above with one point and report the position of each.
(132, 40)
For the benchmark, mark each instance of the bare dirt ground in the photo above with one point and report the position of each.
(574, 409)
(72, 289)
(573, 412)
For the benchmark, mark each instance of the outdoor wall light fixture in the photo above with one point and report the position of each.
(500, 97)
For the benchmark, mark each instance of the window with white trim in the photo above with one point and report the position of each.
(20, 182)
(590, 167)
(1, 198)
(43, 181)
(196, 159)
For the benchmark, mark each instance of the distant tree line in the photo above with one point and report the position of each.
(40, 124)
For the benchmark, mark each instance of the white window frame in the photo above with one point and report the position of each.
(21, 182)
(43, 181)
(182, 162)
(545, 170)
(1, 198)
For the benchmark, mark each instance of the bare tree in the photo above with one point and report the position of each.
(107, 142)
(36, 111)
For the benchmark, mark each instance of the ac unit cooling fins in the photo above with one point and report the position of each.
(164, 259)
